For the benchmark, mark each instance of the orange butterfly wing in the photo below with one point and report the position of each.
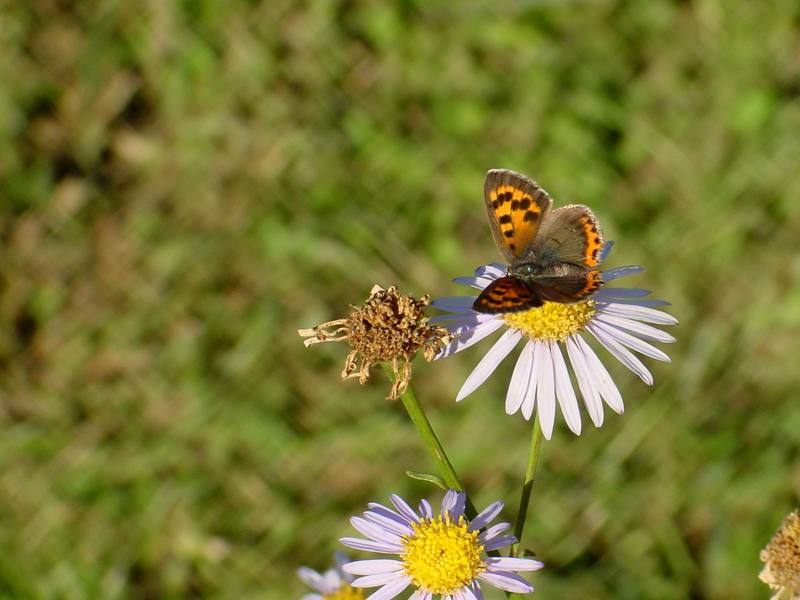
(516, 205)
(506, 295)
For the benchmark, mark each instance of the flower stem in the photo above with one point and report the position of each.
(420, 420)
(527, 485)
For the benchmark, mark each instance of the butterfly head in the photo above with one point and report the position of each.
(526, 270)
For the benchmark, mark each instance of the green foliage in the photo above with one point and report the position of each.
(183, 185)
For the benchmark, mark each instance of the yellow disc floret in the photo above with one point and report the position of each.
(553, 321)
(345, 593)
(442, 556)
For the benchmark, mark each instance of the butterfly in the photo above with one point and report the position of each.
(552, 253)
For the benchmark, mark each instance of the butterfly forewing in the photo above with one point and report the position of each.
(506, 295)
(570, 234)
(516, 206)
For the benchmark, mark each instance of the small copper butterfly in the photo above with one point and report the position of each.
(552, 254)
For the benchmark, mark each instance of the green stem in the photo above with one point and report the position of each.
(527, 488)
(527, 485)
(420, 420)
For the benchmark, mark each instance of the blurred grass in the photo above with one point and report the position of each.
(186, 184)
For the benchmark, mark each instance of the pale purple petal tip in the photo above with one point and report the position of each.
(403, 507)
(486, 516)
(514, 564)
(509, 582)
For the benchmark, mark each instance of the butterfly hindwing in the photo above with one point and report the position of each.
(570, 234)
(516, 205)
(506, 295)
(567, 288)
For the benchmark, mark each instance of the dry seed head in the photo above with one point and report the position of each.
(388, 328)
(782, 557)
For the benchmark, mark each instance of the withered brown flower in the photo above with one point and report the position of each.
(782, 557)
(388, 328)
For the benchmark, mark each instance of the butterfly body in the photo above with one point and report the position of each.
(552, 253)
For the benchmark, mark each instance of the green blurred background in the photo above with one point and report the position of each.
(185, 184)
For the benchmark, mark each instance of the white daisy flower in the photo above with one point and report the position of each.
(442, 554)
(333, 584)
(616, 317)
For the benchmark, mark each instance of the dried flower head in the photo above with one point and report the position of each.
(782, 557)
(388, 328)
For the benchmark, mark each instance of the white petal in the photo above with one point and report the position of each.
(640, 313)
(489, 362)
(396, 525)
(486, 516)
(493, 270)
(640, 329)
(591, 396)
(494, 531)
(455, 321)
(631, 301)
(311, 597)
(510, 582)
(454, 303)
(390, 590)
(564, 390)
(476, 282)
(467, 593)
(378, 579)
(373, 566)
(599, 375)
(370, 546)
(460, 506)
(380, 509)
(520, 380)
(404, 508)
(311, 578)
(332, 580)
(514, 564)
(373, 532)
(470, 336)
(631, 341)
(608, 293)
(425, 509)
(621, 353)
(476, 589)
(499, 542)
(618, 272)
(545, 389)
(420, 595)
(449, 501)
(529, 402)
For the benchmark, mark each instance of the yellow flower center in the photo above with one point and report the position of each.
(345, 593)
(553, 321)
(441, 556)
